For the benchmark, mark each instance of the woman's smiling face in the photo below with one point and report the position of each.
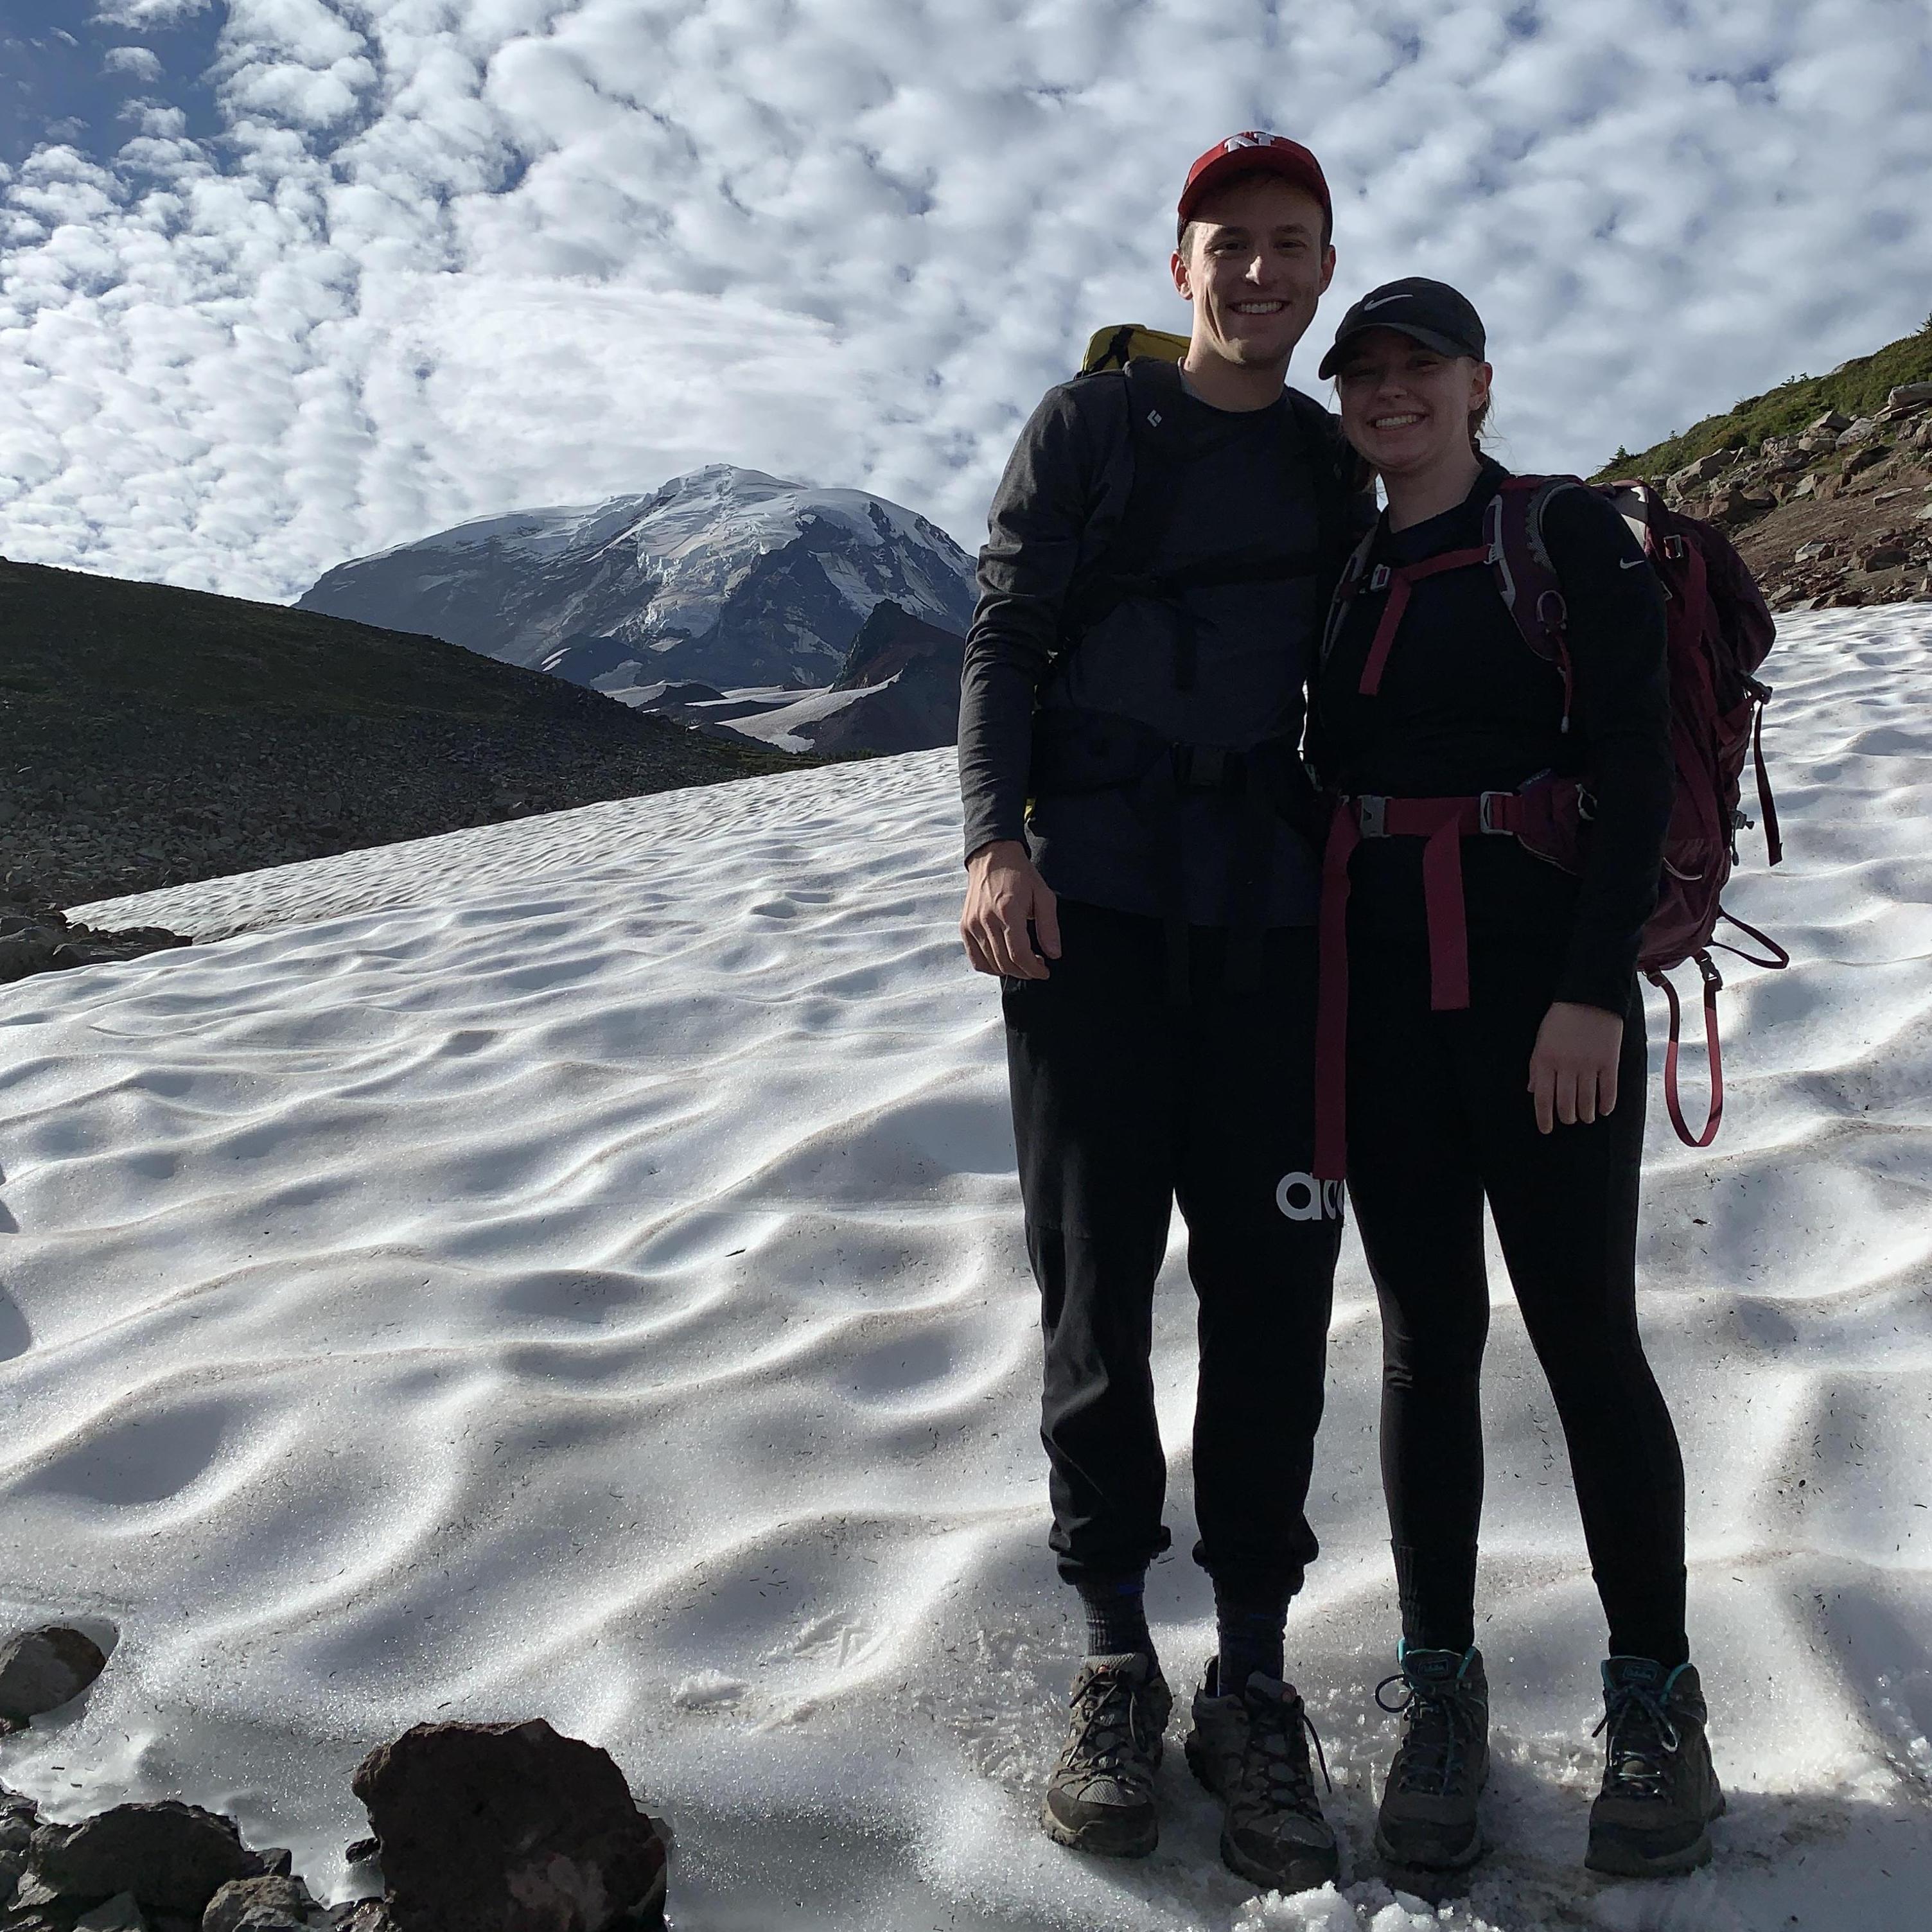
(1405, 407)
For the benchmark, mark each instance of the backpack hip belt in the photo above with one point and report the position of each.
(1443, 823)
(1078, 752)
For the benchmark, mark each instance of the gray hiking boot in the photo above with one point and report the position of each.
(1100, 1796)
(1652, 1817)
(1250, 1749)
(1428, 1815)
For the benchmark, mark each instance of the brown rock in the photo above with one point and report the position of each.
(1864, 458)
(1736, 504)
(1882, 556)
(42, 1670)
(366, 1914)
(174, 1858)
(272, 1904)
(509, 1827)
(1701, 471)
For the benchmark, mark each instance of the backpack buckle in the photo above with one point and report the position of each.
(1371, 814)
(1201, 767)
(1673, 548)
(1378, 577)
(1485, 816)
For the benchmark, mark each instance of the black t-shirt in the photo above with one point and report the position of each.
(1059, 504)
(1465, 705)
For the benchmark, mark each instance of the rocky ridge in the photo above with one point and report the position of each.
(1838, 514)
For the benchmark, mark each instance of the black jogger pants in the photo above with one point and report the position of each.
(1124, 1103)
(1439, 1118)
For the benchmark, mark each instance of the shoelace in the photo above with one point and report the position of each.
(1107, 1717)
(1635, 1764)
(1432, 1743)
(1276, 1727)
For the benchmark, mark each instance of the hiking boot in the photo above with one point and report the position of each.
(1250, 1749)
(1653, 1815)
(1100, 1796)
(1428, 1815)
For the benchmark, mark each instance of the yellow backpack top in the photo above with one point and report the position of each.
(1111, 346)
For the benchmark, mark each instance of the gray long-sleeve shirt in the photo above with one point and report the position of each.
(1058, 509)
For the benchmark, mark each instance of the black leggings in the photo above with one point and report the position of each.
(1439, 1117)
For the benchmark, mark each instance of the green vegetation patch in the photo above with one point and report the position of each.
(1855, 388)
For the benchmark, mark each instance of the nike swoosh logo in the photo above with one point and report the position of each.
(1632, 563)
(1383, 302)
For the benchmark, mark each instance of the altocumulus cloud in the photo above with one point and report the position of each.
(450, 256)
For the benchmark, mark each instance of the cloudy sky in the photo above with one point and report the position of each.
(284, 281)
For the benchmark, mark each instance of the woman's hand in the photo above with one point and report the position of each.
(1572, 1073)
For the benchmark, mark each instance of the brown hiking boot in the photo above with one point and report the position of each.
(1100, 1795)
(1251, 1750)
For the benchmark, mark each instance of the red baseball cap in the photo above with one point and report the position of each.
(1251, 153)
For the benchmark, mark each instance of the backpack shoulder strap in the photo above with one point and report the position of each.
(1154, 423)
(1160, 450)
(1526, 575)
(1353, 570)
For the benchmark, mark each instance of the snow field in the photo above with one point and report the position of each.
(574, 1266)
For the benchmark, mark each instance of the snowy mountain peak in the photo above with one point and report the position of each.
(725, 574)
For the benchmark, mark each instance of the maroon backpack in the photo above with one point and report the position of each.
(1719, 631)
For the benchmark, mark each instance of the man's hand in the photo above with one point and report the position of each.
(1572, 1073)
(1003, 892)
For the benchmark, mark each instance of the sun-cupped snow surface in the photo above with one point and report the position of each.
(574, 1268)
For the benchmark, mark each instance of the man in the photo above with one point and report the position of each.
(1140, 877)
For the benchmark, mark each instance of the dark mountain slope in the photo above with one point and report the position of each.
(150, 736)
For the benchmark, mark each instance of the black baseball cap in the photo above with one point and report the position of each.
(1431, 313)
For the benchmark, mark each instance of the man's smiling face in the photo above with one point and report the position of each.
(1254, 266)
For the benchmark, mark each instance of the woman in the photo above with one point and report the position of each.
(1495, 1051)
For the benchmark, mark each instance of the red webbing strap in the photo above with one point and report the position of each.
(1445, 822)
(1767, 808)
(1384, 638)
(1331, 1001)
(1711, 984)
(1400, 583)
(1448, 924)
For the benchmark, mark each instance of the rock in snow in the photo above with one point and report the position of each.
(271, 1904)
(726, 574)
(173, 1857)
(509, 1827)
(42, 1670)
